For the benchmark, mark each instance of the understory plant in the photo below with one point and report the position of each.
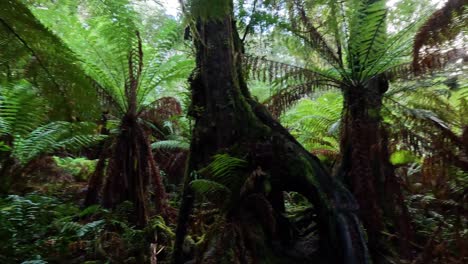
(39, 228)
(26, 134)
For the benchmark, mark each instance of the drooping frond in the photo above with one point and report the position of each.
(159, 114)
(224, 165)
(303, 27)
(262, 69)
(443, 26)
(427, 124)
(224, 179)
(293, 82)
(287, 97)
(51, 137)
(52, 66)
(21, 110)
(111, 51)
(226, 170)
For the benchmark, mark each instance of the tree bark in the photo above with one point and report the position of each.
(228, 120)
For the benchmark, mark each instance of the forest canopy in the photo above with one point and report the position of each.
(233, 131)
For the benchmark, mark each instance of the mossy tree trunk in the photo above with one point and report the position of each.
(228, 120)
(366, 169)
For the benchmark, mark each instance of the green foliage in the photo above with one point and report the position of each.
(37, 228)
(21, 110)
(316, 123)
(212, 190)
(54, 136)
(106, 40)
(437, 215)
(402, 157)
(47, 62)
(22, 119)
(224, 165)
(26, 224)
(76, 53)
(171, 144)
(79, 168)
(223, 180)
(349, 45)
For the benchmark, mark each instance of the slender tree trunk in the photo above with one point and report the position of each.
(228, 120)
(366, 169)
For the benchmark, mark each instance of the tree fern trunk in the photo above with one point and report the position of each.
(130, 170)
(228, 120)
(366, 169)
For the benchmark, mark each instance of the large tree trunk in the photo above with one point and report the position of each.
(228, 120)
(366, 169)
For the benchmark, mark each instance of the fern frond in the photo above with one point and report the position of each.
(212, 190)
(226, 170)
(367, 34)
(262, 69)
(52, 65)
(171, 145)
(305, 29)
(287, 97)
(51, 137)
(21, 110)
(445, 24)
(115, 56)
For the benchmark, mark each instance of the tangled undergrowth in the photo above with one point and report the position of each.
(36, 228)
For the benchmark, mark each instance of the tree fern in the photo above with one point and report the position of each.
(363, 48)
(92, 51)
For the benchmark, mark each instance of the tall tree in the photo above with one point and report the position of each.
(228, 120)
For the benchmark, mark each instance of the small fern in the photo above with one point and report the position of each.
(212, 191)
(226, 170)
